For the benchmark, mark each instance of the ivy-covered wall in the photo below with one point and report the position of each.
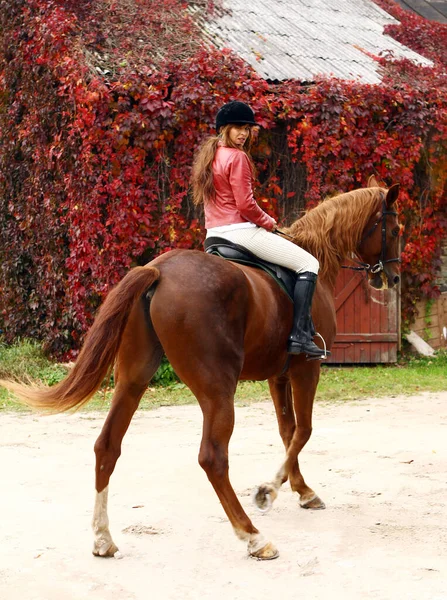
(98, 131)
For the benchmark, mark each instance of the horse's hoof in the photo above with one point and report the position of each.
(313, 503)
(267, 552)
(106, 550)
(263, 497)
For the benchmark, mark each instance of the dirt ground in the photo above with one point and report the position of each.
(380, 465)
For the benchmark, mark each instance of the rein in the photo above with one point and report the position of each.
(284, 234)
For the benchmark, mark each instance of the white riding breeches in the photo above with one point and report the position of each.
(271, 247)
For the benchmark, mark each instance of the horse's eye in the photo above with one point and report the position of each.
(395, 232)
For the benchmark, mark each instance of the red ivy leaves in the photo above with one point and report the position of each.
(98, 139)
(428, 38)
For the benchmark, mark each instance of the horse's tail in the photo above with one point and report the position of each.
(99, 350)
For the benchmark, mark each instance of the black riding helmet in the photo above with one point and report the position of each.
(235, 112)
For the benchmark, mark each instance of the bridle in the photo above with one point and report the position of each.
(380, 266)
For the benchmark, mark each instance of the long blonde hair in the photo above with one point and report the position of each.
(202, 169)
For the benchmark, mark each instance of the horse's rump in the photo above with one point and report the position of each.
(219, 311)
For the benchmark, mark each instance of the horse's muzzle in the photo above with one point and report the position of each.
(378, 283)
(392, 277)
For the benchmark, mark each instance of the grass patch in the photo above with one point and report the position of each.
(408, 377)
(25, 360)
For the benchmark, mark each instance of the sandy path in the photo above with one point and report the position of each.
(380, 466)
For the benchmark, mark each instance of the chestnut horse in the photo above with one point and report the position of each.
(219, 322)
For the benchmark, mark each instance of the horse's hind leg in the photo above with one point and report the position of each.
(202, 334)
(108, 449)
(139, 357)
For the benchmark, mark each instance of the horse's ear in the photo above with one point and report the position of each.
(372, 182)
(392, 195)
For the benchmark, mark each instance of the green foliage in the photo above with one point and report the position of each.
(412, 376)
(165, 375)
(427, 318)
(25, 360)
(97, 134)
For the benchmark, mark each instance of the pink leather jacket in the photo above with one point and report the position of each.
(234, 202)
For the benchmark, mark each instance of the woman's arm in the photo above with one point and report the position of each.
(240, 178)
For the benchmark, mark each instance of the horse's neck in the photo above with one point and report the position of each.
(344, 240)
(334, 255)
(330, 236)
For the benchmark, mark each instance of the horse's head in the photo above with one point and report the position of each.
(379, 243)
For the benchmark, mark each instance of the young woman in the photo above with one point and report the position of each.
(222, 179)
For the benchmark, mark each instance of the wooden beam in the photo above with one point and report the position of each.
(366, 337)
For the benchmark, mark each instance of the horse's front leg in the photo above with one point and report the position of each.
(294, 414)
(304, 378)
(265, 494)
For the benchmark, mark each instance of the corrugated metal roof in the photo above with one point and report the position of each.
(434, 10)
(301, 39)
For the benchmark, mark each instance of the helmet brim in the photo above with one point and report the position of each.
(242, 122)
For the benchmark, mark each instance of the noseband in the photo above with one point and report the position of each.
(380, 266)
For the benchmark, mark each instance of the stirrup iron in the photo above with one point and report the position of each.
(325, 354)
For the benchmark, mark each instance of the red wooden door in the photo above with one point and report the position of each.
(367, 321)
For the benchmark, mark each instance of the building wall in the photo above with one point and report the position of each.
(442, 279)
(431, 322)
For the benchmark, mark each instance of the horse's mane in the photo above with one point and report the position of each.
(333, 229)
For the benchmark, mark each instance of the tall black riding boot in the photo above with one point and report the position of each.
(300, 340)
